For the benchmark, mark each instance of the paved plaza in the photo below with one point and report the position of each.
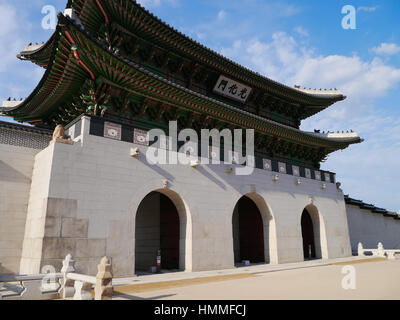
(374, 279)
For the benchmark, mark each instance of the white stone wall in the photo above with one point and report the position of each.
(16, 164)
(370, 228)
(107, 186)
(36, 216)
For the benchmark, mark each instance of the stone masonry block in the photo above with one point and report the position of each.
(74, 228)
(90, 248)
(65, 208)
(52, 227)
(58, 248)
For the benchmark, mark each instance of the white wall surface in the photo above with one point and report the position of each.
(370, 228)
(16, 164)
(108, 186)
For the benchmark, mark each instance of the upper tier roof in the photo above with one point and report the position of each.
(137, 19)
(64, 77)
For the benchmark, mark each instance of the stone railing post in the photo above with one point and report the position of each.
(83, 290)
(381, 250)
(360, 249)
(103, 289)
(67, 288)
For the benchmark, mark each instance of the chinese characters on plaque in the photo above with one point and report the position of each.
(296, 171)
(232, 89)
(267, 164)
(282, 167)
(140, 137)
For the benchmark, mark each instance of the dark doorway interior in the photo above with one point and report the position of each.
(307, 231)
(169, 234)
(248, 232)
(157, 228)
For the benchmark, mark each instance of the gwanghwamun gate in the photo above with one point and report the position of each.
(115, 72)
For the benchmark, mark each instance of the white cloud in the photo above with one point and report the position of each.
(157, 3)
(367, 9)
(289, 10)
(284, 59)
(301, 31)
(221, 15)
(9, 40)
(367, 170)
(386, 49)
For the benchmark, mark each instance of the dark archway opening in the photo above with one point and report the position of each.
(248, 232)
(307, 231)
(157, 228)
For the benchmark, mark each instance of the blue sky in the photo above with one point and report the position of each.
(294, 42)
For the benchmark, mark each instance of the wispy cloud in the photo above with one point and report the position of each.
(157, 3)
(367, 9)
(285, 59)
(288, 10)
(301, 31)
(221, 15)
(386, 49)
(10, 41)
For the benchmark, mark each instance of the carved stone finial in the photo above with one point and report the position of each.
(165, 183)
(68, 264)
(360, 249)
(104, 289)
(67, 288)
(381, 250)
(60, 136)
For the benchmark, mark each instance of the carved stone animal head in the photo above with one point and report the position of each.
(59, 133)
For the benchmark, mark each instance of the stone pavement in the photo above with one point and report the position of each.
(304, 280)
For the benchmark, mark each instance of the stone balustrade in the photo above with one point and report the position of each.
(30, 287)
(65, 285)
(79, 286)
(379, 252)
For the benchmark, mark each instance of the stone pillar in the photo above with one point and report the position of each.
(82, 290)
(104, 289)
(381, 250)
(360, 249)
(67, 288)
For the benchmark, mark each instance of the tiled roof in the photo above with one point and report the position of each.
(370, 207)
(24, 127)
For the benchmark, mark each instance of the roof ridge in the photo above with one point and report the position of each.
(259, 77)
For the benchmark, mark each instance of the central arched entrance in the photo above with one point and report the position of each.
(311, 228)
(307, 232)
(157, 229)
(248, 232)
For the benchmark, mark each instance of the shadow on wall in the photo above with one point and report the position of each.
(6, 272)
(9, 174)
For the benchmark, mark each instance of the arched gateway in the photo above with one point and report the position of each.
(311, 233)
(160, 227)
(251, 225)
